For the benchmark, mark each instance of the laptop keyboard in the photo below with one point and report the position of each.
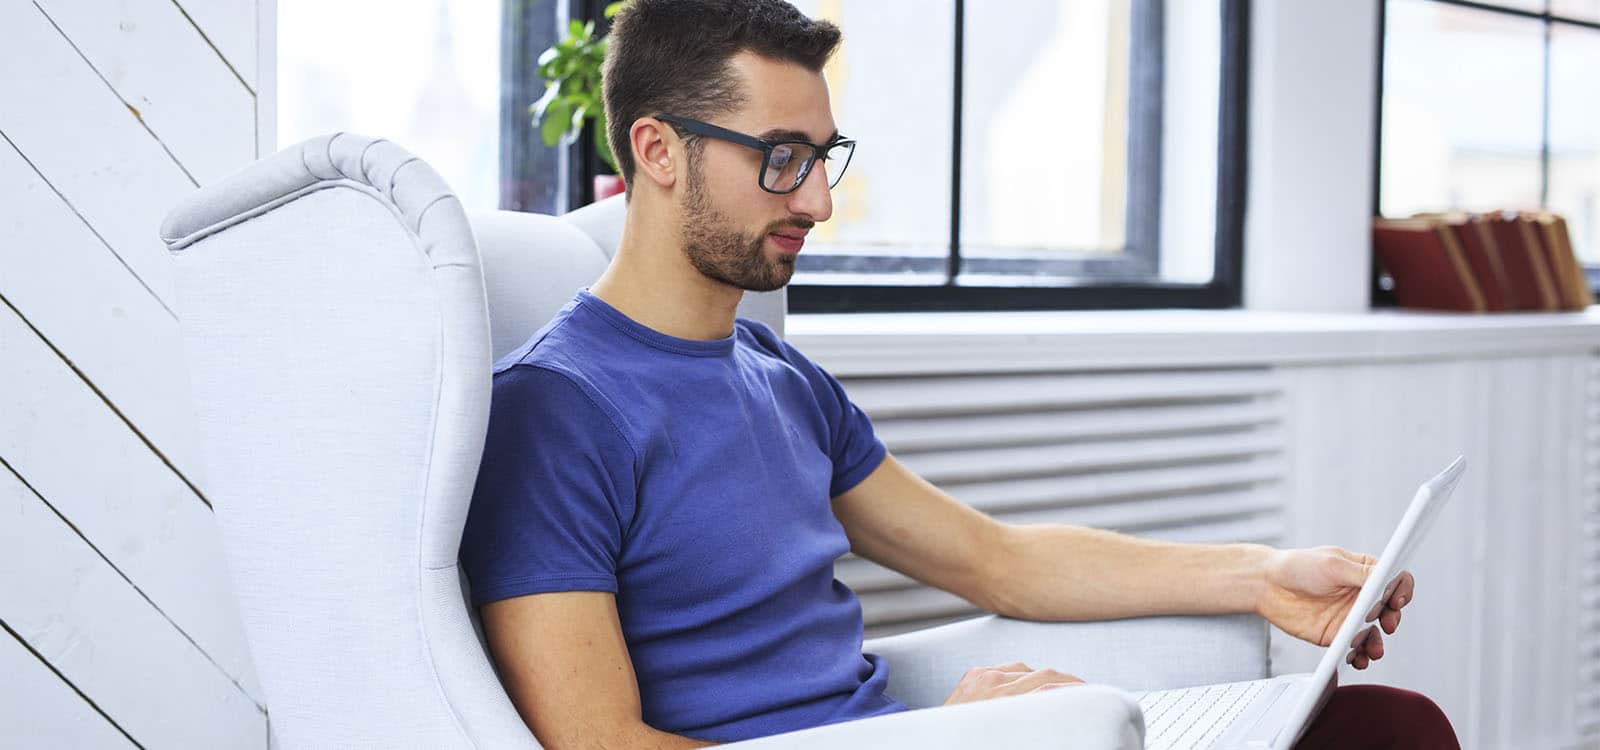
(1194, 717)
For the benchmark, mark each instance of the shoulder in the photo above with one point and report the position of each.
(550, 399)
(558, 345)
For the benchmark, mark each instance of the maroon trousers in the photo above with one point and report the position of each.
(1359, 717)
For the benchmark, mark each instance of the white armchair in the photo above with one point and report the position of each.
(340, 313)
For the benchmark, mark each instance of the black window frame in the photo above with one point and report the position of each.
(1099, 283)
(1382, 297)
(1123, 282)
(528, 27)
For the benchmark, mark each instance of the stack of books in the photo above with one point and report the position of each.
(1500, 260)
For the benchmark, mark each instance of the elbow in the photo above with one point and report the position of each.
(1002, 578)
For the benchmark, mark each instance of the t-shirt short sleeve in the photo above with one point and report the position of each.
(554, 495)
(856, 449)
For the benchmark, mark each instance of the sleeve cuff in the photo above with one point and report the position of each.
(494, 591)
(843, 482)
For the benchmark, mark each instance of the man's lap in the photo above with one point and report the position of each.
(1377, 716)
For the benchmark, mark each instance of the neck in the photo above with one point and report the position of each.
(657, 287)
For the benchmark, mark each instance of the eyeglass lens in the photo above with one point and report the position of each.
(789, 162)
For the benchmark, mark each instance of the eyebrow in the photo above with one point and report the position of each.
(780, 134)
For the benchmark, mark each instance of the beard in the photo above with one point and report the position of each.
(716, 249)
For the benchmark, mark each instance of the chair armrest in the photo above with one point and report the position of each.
(1090, 717)
(1144, 653)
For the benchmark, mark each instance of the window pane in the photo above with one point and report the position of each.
(1045, 132)
(430, 82)
(1191, 106)
(1574, 135)
(533, 177)
(891, 211)
(1583, 10)
(1461, 109)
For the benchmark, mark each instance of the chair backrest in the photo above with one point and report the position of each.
(337, 339)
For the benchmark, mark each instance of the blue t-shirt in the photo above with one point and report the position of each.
(693, 480)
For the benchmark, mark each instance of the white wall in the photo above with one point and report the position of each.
(117, 610)
(1309, 205)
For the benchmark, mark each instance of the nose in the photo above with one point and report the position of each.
(813, 199)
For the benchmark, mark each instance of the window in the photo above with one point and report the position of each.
(1040, 154)
(1034, 154)
(1492, 105)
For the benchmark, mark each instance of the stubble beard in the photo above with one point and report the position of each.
(716, 249)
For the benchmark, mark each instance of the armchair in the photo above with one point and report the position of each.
(340, 312)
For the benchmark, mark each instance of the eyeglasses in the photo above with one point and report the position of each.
(784, 164)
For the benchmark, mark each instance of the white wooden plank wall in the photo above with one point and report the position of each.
(1192, 455)
(117, 610)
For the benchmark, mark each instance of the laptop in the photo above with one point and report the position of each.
(1274, 713)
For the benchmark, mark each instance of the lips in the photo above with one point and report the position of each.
(790, 241)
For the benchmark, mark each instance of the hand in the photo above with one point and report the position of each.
(1309, 591)
(1016, 678)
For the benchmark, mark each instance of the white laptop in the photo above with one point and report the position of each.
(1274, 713)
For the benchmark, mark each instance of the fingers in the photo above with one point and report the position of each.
(1403, 591)
(1054, 685)
(1375, 646)
(1365, 648)
(1015, 678)
(1390, 620)
(1404, 587)
(1041, 680)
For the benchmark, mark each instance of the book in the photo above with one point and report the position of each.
(1572, 285)
(1429, 267)
(1527, 267)
(1471, 234)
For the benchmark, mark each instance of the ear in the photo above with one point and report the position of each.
(657, 151)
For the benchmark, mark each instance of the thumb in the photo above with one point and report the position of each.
(1352, 570)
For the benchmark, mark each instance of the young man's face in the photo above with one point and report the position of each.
(734, 231)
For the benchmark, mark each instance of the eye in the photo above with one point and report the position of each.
(780, 156)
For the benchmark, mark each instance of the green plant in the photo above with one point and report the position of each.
(571, 73)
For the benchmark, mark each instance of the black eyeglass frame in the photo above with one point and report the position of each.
(765, 147)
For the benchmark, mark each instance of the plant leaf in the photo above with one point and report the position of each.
(556, 119)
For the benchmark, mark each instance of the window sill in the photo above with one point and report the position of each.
(956, 342)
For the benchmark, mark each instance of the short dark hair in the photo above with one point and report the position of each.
(672, 56)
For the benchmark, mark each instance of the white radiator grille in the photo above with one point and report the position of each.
(1186, 455)
(1588, 656)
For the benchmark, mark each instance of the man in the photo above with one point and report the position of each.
(665, 487)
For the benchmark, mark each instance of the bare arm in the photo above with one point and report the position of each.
(1056, 572)
(1040, 572)
(566, 666)
(1064, 572)
(901, 521)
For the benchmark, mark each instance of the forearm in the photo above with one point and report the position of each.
(633, 735)
(1058, 572)
(655, 739)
